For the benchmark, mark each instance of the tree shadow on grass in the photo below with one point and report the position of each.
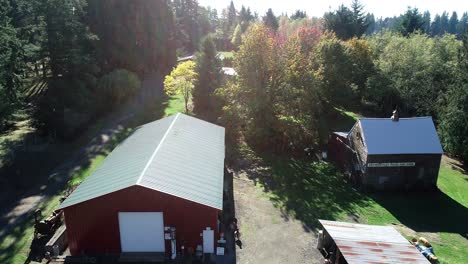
(18, 228)
(426, 212)
(307, 190)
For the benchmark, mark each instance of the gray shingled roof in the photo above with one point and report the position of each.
(178, 155)
(406, 136)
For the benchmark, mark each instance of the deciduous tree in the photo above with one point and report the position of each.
(181, 81)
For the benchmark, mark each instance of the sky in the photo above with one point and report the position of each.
(380, 8)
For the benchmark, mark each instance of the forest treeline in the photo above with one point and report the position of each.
(294, 72)
(69, 61)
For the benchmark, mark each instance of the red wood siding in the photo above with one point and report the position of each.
(93, 226)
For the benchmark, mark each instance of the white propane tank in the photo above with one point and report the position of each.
(320, 240)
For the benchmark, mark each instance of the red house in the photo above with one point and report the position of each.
(158, 190)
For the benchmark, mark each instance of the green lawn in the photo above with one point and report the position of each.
(175, 104)
(227, 54)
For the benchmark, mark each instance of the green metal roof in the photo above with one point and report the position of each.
(178, 155)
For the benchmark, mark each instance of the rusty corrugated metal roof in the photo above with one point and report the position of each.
(361, 244)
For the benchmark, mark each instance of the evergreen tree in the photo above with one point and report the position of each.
(453, 126)
(137, 35)
(444, 23)
(298, 15)
(346, 22)
(453, 23)
(245, 15)
(360, 23)
(270, 20)
(372, 27)
(462, 26)
(9, 55)
(436, 26)
(187, 23)
(411, 21)
(208, 70)
(426, 27)
(340, 22)
(231, 17)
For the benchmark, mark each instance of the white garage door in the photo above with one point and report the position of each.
(141, 231)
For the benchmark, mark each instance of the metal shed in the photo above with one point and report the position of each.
(167, 174)
(395, 154)
(361, 244)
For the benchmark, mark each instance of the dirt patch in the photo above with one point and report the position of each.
(268, 235)
(454, 164)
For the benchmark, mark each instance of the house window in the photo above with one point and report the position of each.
(383, 179)
(421, 173)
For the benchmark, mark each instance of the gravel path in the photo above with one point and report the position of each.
(267, 234)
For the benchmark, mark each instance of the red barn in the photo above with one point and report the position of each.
(158, 190)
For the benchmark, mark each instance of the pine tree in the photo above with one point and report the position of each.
(411, 21)
(340, 22)
(9, 55)
(426, 27)
(231, 17)
(370, 20)
(270, 20)
(298, 15)
(453, 22)
(436, 27)
(444, 23)
(360, 23)
(346, 22)
(188, 26)
(208, 70)
(462, 27)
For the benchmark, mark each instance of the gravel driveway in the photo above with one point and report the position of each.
(267, 234)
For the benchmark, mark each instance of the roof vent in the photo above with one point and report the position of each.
(395, 117)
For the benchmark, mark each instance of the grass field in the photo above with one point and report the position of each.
(15, 247)
(175, 104)
(227, 54)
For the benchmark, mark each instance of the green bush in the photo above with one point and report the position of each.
(117, 86)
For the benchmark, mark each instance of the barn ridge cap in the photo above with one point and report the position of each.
(401, 118)
(156, 150)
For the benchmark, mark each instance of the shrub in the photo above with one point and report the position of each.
(115, 87)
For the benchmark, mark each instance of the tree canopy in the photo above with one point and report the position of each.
(181, 81)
